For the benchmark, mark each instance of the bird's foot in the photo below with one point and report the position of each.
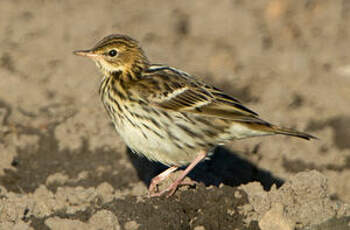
(172, 188)
(159, 178)
(180, 180)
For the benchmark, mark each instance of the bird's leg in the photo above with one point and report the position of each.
(172, 188)
(160, 177)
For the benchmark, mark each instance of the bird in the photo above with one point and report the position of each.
(166, 114)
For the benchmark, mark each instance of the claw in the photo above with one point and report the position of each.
(159, 178)
(173, 187)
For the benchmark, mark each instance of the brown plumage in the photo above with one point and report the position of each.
(166, 114)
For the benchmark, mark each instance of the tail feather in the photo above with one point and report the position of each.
(268, 128)
(291, 132)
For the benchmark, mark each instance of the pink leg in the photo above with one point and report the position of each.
(160, 177)
(172, 188)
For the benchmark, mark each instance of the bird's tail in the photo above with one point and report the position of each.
(292, 132)
(268, 128)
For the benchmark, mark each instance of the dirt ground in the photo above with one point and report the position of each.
(62, 165)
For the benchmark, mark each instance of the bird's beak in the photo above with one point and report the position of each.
(85, 53)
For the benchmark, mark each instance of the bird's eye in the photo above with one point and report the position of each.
(112, 53)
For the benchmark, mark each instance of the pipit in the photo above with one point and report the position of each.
(166, 114)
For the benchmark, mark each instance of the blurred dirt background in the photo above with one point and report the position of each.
(62, 166)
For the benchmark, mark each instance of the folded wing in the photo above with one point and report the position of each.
(170, 89)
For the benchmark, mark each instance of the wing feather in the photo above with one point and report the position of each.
(170, 89)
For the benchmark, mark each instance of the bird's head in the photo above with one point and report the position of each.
(116, 53)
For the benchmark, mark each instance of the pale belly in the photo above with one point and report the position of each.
(164, 142)
(171, 145)
(174, 138)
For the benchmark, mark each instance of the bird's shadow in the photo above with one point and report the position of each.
(224, 167)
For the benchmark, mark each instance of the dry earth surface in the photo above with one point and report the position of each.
(62, 166)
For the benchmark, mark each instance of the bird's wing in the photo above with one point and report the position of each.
(171, 89)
